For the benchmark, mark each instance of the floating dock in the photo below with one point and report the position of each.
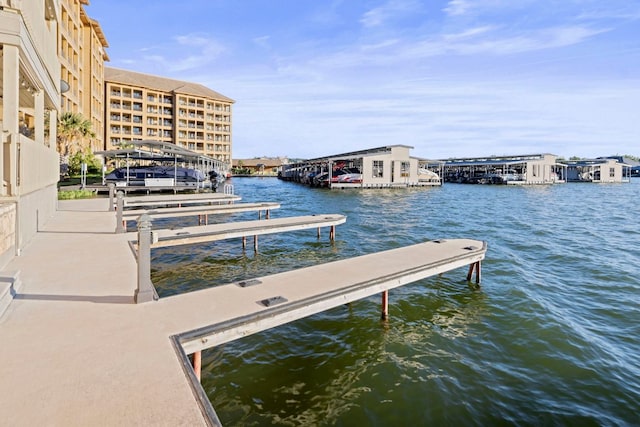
(202, 212)
(101, 359)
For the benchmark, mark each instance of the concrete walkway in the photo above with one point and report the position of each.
(70, 341)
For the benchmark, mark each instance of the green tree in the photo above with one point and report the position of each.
(72, 129)
(85, 155)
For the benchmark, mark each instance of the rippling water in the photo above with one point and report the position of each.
(552, 336)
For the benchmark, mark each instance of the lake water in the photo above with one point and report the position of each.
(551, 337)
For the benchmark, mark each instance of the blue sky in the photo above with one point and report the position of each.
(451, 78)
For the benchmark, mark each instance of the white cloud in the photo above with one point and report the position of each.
(391, 9)
(457, 7)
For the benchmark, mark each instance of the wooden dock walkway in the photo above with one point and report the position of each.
(179, 199)
(225, 313)
(243, 229)
(202, 211)
(108, 361)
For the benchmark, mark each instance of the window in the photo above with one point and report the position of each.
(378, 167)
(612, 172)
(404, 169)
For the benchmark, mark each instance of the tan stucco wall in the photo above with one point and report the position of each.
(7, 232)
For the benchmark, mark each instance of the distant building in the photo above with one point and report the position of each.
(146, 107)
(268, 166)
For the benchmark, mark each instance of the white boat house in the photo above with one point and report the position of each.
(388, 166)
(519, 170)
(601, 170)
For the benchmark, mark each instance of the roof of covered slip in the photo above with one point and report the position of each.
(358, 154)
(156, 150)
(494, 160)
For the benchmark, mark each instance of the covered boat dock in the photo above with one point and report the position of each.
(157, 165)
(522, 170)
(602, 169)
(381, 167)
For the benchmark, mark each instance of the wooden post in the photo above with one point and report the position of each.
(267, 214)
(255, 243)
(318, 232)
(244, 242)
(196, 359)
(385, 305)
(120, 228)
(476, 266)
(332, 233)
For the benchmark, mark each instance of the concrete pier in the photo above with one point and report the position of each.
(75, 349)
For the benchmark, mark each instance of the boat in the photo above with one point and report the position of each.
(162, 176)
(426, 175)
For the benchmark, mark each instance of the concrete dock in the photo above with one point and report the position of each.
(76, 350)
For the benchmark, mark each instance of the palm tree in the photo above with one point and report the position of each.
(72, 129)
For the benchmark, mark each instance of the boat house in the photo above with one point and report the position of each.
(522, 170)
(160, 164)
(388, 166)
(602, 169)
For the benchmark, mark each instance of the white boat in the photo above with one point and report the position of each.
(162, 176)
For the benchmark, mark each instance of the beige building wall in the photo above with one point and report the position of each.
(82, 55)
(30, 99)
(92, 77)
(146, 107)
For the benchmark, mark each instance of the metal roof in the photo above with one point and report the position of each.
(159, 151)
(357, 154)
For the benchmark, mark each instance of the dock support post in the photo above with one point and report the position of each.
(196, 359)
(332, 233)
(244, 242)
(255, 243)
(112, 194)
(267, 215)
(144, 292)
(119, 208)
(476, 266)
(385, 305)
(318, 232)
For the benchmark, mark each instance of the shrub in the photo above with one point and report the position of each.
(75, 194)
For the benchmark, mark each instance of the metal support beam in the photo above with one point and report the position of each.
(196, 360)
(385, 305)
(475, 267)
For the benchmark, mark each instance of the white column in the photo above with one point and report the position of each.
(38, 99)
(10, 98)
(53, 129)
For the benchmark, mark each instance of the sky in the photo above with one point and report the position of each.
(458, 78)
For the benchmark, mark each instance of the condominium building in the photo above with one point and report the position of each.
(82, 54)
(146, 107)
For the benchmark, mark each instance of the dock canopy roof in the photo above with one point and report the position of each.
(159, 151)
(358, 154)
